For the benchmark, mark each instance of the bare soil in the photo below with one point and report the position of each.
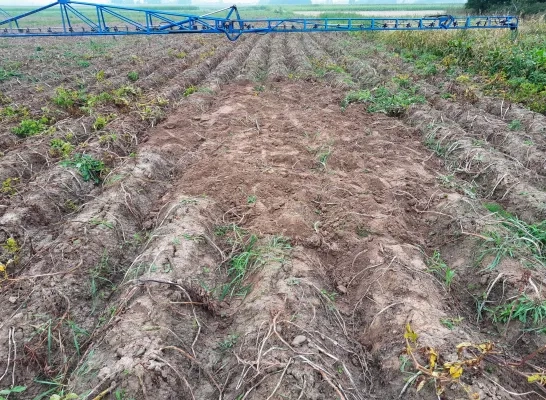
(117, 288)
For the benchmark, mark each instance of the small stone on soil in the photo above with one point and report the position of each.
(342, 289)
(299, 340)
(12, 299)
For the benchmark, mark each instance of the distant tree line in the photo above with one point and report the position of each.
(507, 6)
(150, 2)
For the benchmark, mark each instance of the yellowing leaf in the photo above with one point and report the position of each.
(432, 357)
(456, 370)
(485, 347)
(421, 384)
(410, 334)
(3, 270)
(464, 344)
(537, 378)
(440, 389)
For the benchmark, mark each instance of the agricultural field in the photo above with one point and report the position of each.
(287, 216)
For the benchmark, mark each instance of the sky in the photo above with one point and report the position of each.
(44, 2)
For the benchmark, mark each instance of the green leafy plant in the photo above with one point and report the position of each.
(190, 90)
(11, 246)
(101, 121)
(8, 186)
(67, 98)
(60, 148)
(100, 76)
(108, 138)
(515, 125)
(31, 127)
(13, 112)
(89, 167)
(94, 99)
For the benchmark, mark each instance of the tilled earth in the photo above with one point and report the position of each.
(129, 288)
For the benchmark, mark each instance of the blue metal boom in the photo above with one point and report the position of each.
(76, 18)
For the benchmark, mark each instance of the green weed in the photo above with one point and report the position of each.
(512, 237)
(133, 76)
(100, 276)
(523, 309)
(5, 74)
(242, 265)
(89, 167)
(451, 323)
(223, 230)
(101, 222)
(331, 296)
(280, 242)
(248, 257)
(77, 333)
(251, 199)
(440, 268)
(8, 392)
(193, 237)
(228, 343)
(393, 102)
(323, 155)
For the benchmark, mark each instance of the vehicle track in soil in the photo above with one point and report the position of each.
(358, 221)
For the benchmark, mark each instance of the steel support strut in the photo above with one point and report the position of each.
(87, 19)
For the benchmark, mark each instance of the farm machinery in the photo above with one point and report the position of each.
(76, 18)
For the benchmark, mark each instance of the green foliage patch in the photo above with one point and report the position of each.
(89, 167)
(393, 101)
(515, 70)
